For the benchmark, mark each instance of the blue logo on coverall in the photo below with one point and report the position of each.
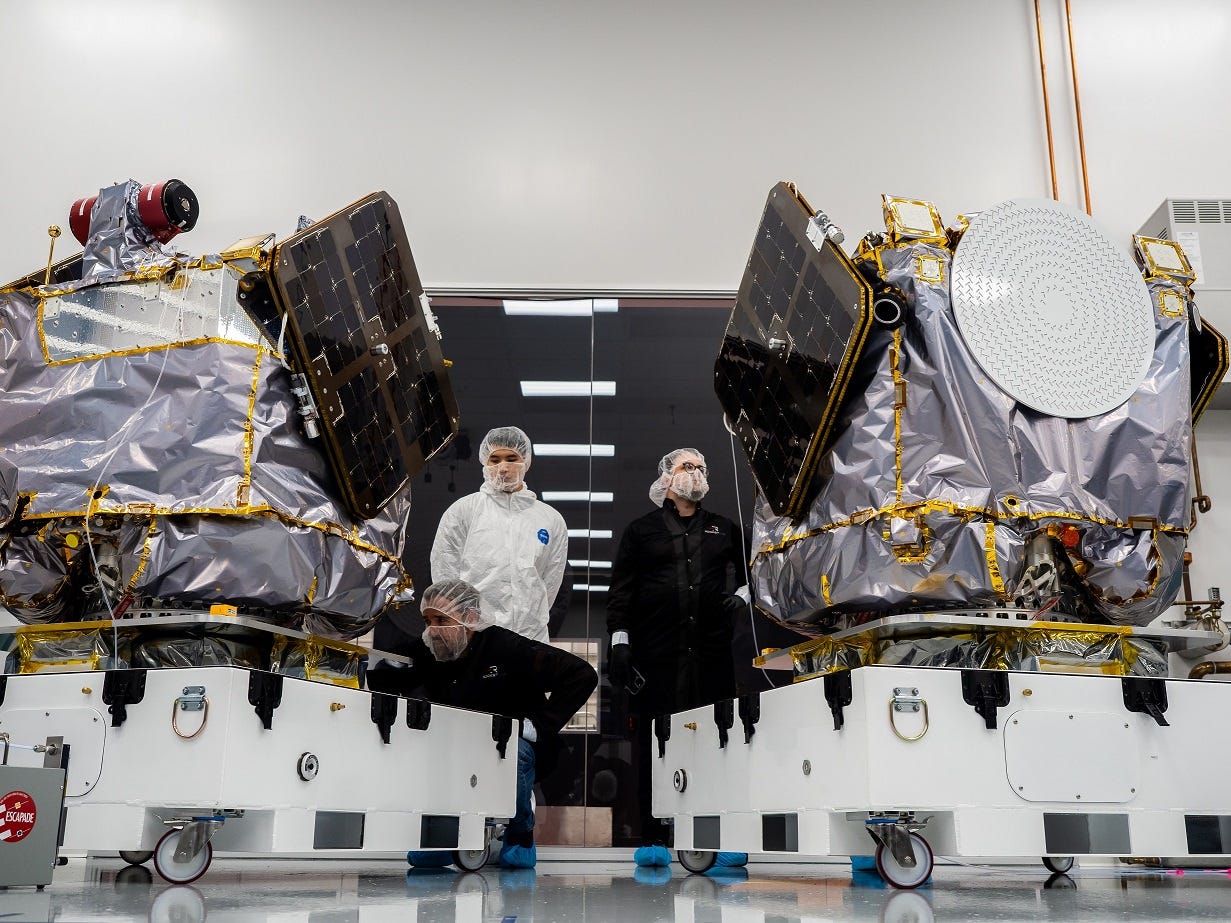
(543, 536)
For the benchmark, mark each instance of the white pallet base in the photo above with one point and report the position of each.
(124, 781)
(1067, 771)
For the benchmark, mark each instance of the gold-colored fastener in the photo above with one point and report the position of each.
(1027, 692)
(691, 725)
(86, 690)
(336, 706)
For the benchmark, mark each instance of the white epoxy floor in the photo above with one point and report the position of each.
(334, 891)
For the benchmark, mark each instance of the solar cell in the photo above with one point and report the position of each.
(357, 329)
(801, 317)
(1209, 364)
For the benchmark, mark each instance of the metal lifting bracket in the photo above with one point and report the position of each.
(724, 718)
(502, 730)
(122, 688)
(1147, 695)
(986, 690)
(662, 731)
(384, 713)
(838, 694)
(418, 714)
(265, 694)
(750, 714)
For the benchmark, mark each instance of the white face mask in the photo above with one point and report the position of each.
(690, 485)
(445, 642)
(505, 476)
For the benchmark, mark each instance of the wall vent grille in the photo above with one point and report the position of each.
(1201, 211)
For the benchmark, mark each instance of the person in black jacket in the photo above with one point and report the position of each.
(669, 611)
(462, 662)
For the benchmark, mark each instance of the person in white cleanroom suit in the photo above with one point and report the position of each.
(504, 540)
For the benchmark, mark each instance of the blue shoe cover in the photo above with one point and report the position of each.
(652, 856)
(867, 879)
(518, 857)
(731, 860)
(429, 858)
(651, 874)
(863, 863)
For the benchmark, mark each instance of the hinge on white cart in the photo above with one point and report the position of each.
(750, 714)
(418, 714)
(502, 730)
(122, 688)
(662, 731)
(265, 695)
(986, 690)
(838, 694)
(1147, 695)
(384, 713)
(724, 718)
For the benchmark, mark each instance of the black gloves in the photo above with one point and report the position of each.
(620, 666)
(734, 607)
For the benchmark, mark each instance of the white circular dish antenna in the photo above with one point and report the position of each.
(1055, 313)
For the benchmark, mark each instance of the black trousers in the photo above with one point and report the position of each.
(670, 687)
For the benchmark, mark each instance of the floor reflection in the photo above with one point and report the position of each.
(339, 892)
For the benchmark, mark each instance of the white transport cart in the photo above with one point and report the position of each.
(912, 762)
(175, 762)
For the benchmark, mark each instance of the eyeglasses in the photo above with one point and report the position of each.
(689, 466)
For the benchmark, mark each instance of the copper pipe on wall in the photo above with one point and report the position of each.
(1081, 132)
(1208, 667)
(1051, 144)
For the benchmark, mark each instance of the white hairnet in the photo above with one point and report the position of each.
(666, 476)
(505, 437)
(455, 599)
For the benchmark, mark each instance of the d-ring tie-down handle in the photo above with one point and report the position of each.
(907, 699)
(192, 699)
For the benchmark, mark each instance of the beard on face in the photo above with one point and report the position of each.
(445, 643)
(689, 485)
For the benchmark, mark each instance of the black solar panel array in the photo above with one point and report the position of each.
(800, 321)
(357, 328)
(1209, 363)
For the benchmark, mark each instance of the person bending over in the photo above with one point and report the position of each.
(463, 661)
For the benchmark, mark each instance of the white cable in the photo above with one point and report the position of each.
(739, 509)
(282, 344)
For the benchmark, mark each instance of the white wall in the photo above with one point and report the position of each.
(625, 146)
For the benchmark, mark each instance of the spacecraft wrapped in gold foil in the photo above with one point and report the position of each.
(996, 413)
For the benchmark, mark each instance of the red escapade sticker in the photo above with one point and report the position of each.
(17, 815)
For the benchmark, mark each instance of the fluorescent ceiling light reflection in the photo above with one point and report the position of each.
(589, 533)
(568, 388)
(590, 587)
(593, 496)
(593, 565)
(574, 448)
(579, 307)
